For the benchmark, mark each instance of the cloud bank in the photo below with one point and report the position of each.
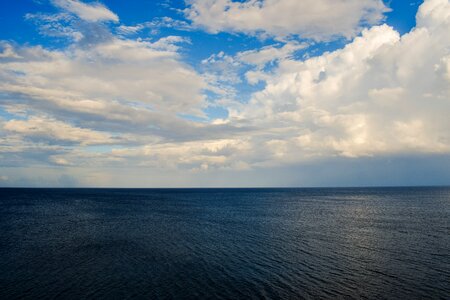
(134, 105)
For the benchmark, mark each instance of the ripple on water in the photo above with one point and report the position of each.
(225, 244)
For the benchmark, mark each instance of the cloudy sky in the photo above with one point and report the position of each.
(177, 93)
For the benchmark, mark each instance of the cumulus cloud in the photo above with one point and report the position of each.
(91, 12)
(380, 95)
(7, 51)
(316, 19)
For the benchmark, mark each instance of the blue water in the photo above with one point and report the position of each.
(380, 243)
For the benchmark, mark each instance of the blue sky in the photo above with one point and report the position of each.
(17, 29)
(224, 93)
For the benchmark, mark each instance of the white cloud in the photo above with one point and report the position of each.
(97, 78)
(51, 129)
(382, 94)
(170, 43)
(123, 29)
(316, 19)
(92, 12)
(155, 25)
(192, 155)
(267, 54)
(223, 71)
(7, 51)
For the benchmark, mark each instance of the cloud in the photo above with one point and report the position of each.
(383, 94)
(268, 54)
(126, 30)
(50, 129)
(155, 25)
(93, 12)
(115, 107)
(170, 43)
(191, 155)
(70, 27)
(7, 51)
(115, 79)
(224, 71)
(316, 19)
(113, 91)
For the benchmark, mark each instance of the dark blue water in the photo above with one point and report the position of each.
(384, 243)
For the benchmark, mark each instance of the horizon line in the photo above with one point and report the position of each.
(225, 187)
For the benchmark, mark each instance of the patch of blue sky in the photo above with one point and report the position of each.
(14, 27)
(403, 15)
(204, 44)
(245, 90)
(136, 12)
(317, 49)
(101, 148)
(7, 115)
(216, 112)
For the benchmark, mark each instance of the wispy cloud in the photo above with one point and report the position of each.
(92, 12)
(155, 25)
(53, 130)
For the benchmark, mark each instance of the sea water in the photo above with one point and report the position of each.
(370, 243)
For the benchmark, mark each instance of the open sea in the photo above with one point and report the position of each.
(335, 243)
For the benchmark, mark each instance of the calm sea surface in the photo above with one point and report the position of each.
(380, 243)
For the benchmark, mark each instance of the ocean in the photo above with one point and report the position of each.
(331, 243)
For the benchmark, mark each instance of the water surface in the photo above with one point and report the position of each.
(370, 243)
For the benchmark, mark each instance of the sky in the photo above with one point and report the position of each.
(224, 93)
